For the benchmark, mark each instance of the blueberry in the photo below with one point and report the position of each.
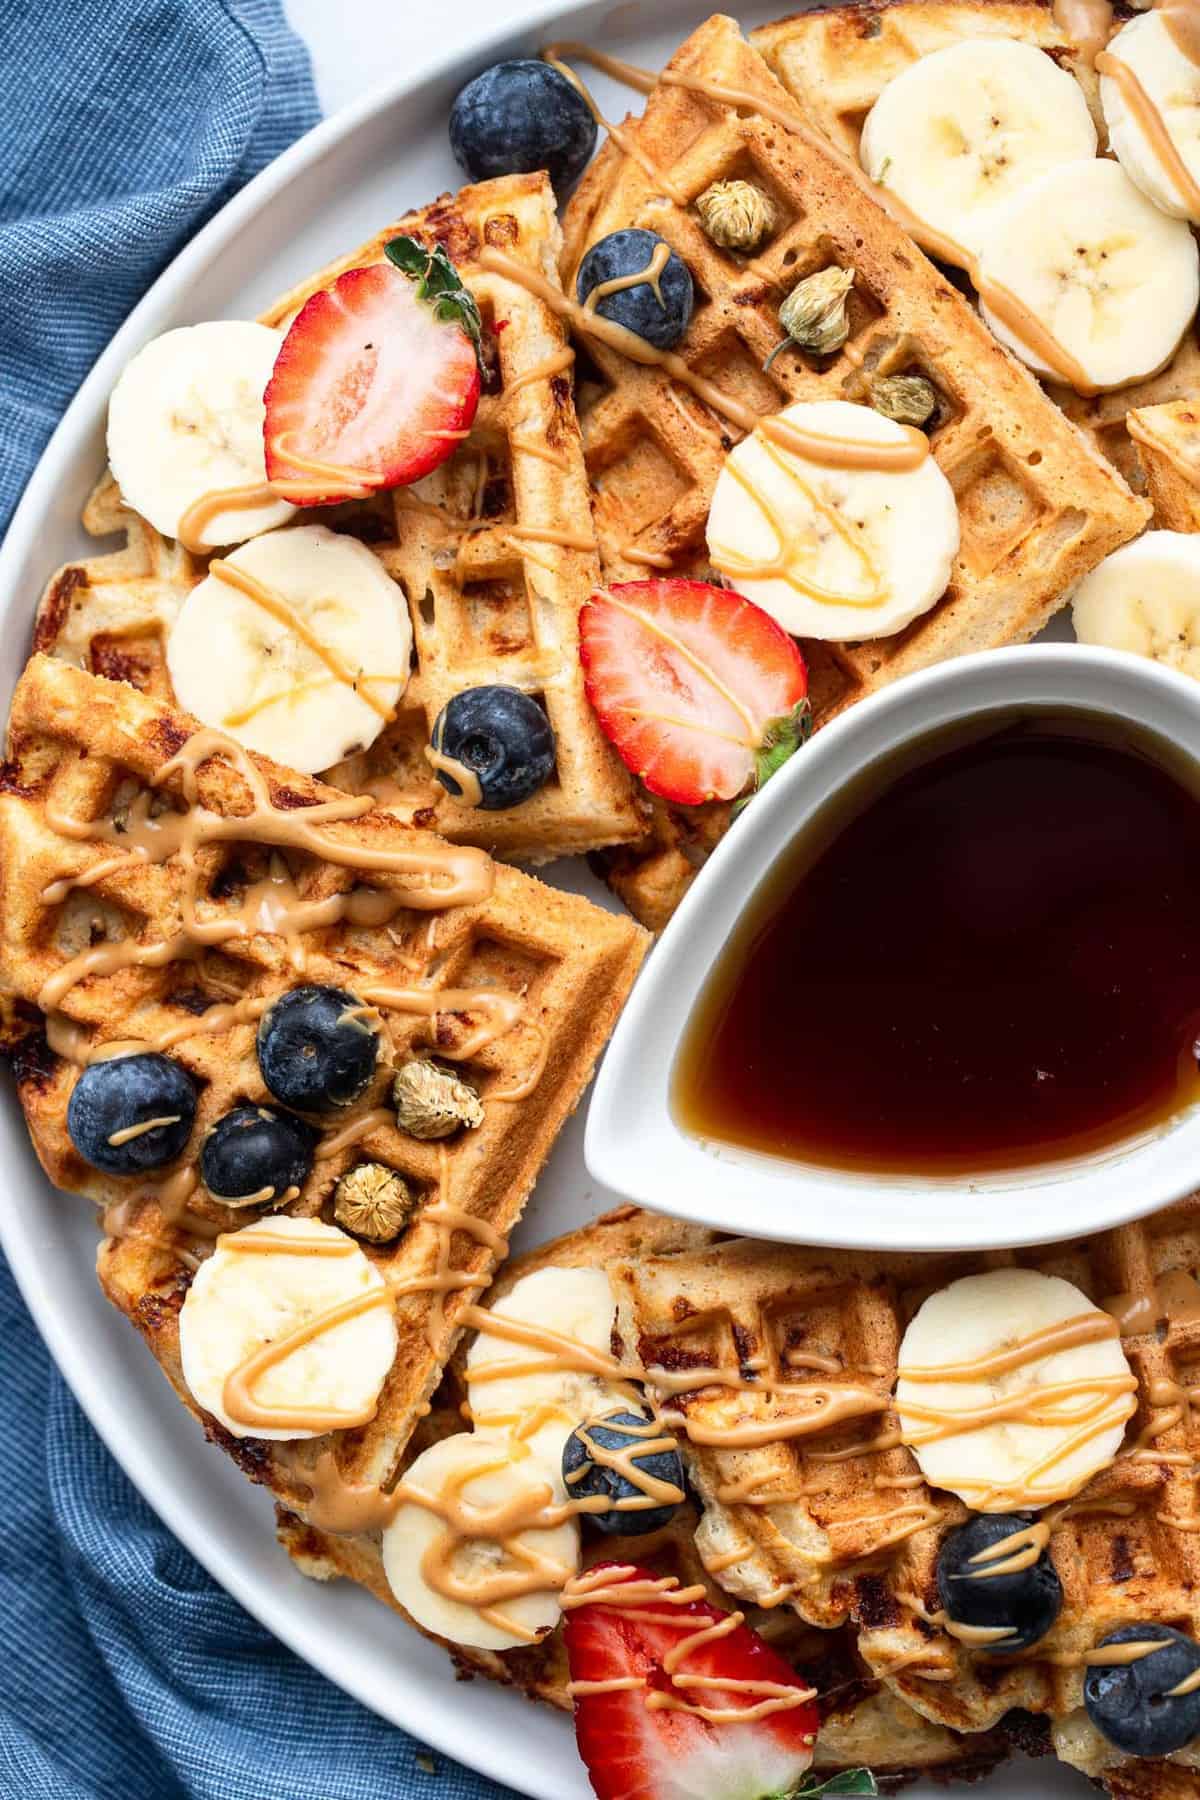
(1131, 1703)
(520, 116)
(252, 1150)
(125, 1093)
(586, 1473)
(1024, 1603)
(639, 309)
(503, 736)
(315, 1053)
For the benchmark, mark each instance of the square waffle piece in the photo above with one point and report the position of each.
(494, 553)
(831, 1512)
(1037, 505)
(836, 63)
(864, 1724)
(184, 947)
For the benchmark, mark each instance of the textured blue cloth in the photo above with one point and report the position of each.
(127, 1673)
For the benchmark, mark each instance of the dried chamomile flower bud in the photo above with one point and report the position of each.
(736, 215)
(432, 1102)
(908, 399)
(373, 1202)
(814, 313)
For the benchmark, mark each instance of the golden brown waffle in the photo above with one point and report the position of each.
(863, 1723)
(1038, 506)
(856, 1538)
(836, 63)
(491, 599)
(84, 748)
(1168, 446)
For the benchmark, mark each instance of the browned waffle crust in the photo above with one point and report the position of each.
(489, 600)
(837, 61)
(857, 1539)
(1167, 439)
(1038, 506)
(862, 1722)
(82, 746)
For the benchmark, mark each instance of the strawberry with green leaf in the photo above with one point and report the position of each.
(703, 695)
(377, 380)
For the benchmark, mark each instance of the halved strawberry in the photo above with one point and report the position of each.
(636, 1748)
(702, 693)
(377, 380)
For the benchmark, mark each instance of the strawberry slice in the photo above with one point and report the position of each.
(377, 380)
(648, 1739)
(701, 692)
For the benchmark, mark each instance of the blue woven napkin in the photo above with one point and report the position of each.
(127, 1673)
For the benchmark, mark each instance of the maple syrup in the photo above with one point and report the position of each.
(983, 954)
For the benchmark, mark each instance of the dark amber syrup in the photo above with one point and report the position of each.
(984, 954)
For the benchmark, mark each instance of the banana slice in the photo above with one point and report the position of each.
(469, 1588)
(186, 420)
(297, 645)
(1111, 278)
(833, 552)
(544, 1398)
(1013, 1389)
(963, 129)
(265, 1284)
(1145, 598)
(1168, 104)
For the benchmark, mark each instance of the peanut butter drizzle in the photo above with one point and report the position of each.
(625, 140)
(717, 1565)
(501, 1012)
(1006, 305)
(825, 450)
(650, 276)
(201, 513)
(1069, 1334)
(647, 559)
(127, 1134)
(1175, 1299)
(528, 446)
(830, 1406)
(1086, 23)
(353, 1132)
(557, 363)
(625, 1462)
(782, 565)
(336, 481)
(471, 794)
(282, 611)
(341, 1507)
(1182, 20)
(1153, 127)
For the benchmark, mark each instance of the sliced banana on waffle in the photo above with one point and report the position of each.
(287, 1331)
(538, 1393)
(1112, 279)
(297, 645)
(186, 420)
(834, 552)
(963, 129)
(1012, 1389)
(1152, 110)
(1145, 598)
(467, 1553)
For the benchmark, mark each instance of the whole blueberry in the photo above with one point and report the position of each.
(315, 1050)
(1132, 1704)
(638, 1505)
(123, 1095)
(1023, 1603)
(658, 311)
(521, 116)
(252, 1151)
(503, 737)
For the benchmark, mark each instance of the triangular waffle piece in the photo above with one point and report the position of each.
(549, 968)
(1038, 506)
(855, 1536)
(494, 552)
(836, 62)
(863, 1723)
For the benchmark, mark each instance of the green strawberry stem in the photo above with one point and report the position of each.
(849, 1781)
(781, 739)
(439, 283)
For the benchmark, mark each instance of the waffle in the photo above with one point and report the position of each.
(1038, 506)
(489, 600)
(84, 748)
(1168, 447)
(856, 1540)
(863, 1724)
(837, 62)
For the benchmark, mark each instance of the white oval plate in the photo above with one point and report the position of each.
(330, 191)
